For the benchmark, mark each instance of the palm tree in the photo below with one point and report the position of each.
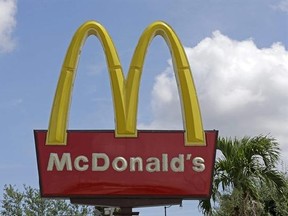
(245, 165)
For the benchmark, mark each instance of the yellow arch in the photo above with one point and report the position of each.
(125, 92)
(60, 109)
(194, 134)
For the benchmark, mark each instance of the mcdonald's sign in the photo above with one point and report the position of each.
(126, 163)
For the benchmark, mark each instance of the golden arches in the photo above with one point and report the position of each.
(125, 92)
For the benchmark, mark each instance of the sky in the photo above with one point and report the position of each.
(237, 50)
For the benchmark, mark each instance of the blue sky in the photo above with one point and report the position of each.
(237, 52)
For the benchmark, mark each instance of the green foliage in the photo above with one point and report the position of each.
(29, 203)
(238, 203)
(12, 202)
(246, 167)
(274, 203)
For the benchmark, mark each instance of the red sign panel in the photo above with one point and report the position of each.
(155, 164)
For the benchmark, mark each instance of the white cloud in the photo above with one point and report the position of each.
(282, 5)
(8, 10)
(242, 89)
(165, 103)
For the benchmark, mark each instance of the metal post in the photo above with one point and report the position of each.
(165, 207)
